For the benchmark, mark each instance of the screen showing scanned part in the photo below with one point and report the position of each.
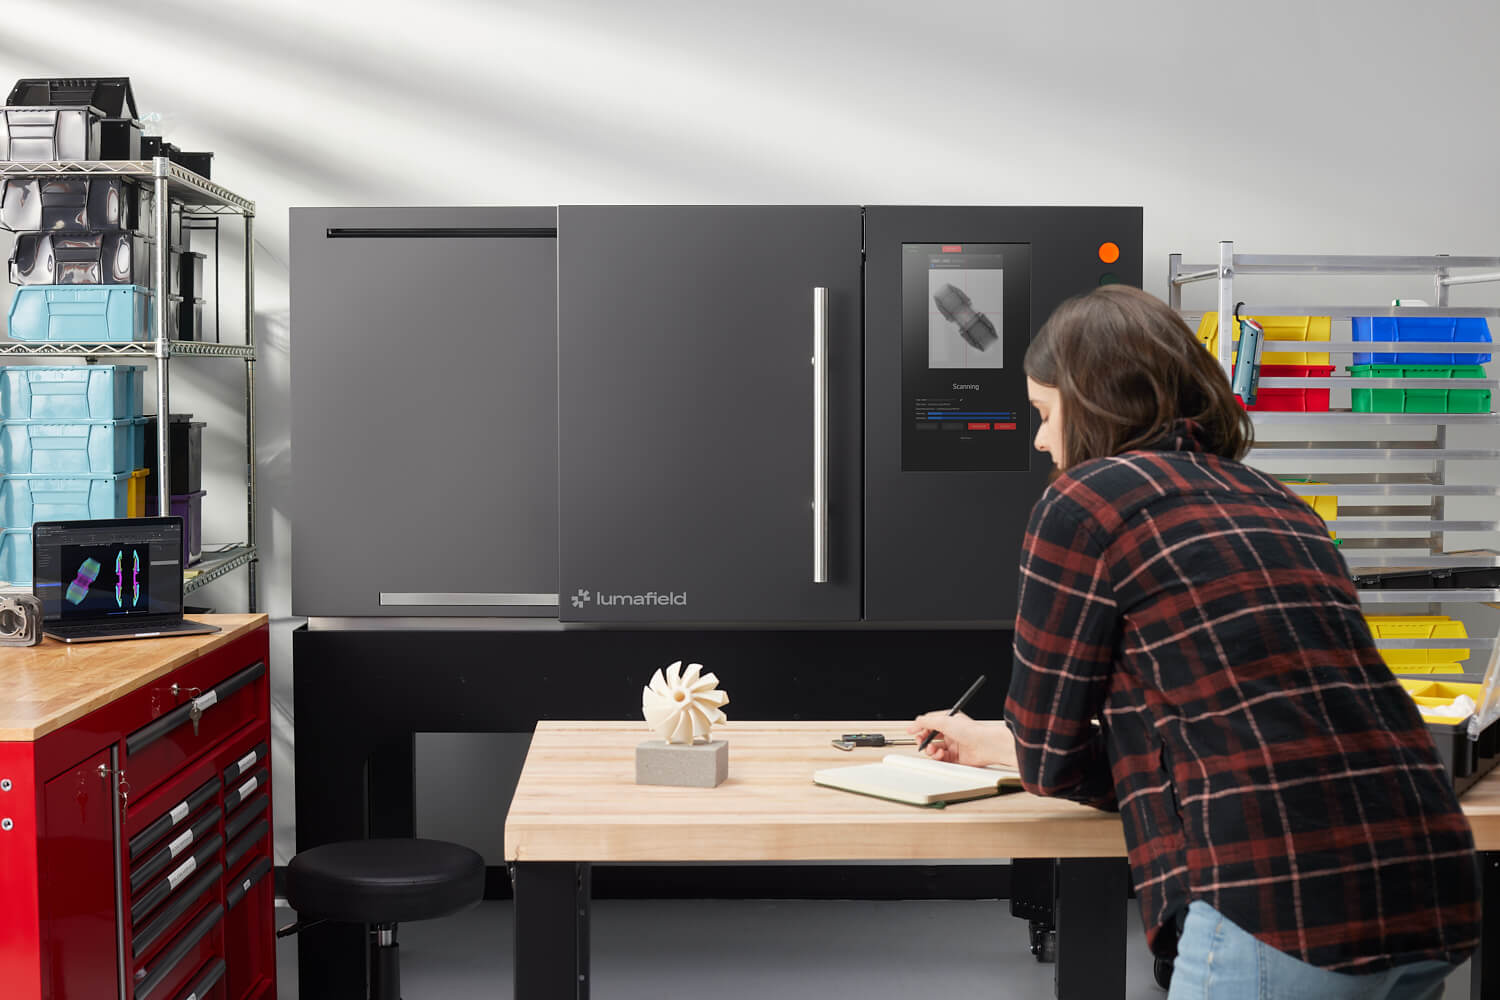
(965, 325)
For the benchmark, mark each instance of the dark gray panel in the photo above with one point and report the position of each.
(424, 436)
(945, 546)
(686, 413)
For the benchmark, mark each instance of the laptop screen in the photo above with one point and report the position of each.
(108, 570)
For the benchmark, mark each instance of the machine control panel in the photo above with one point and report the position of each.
(965, 326)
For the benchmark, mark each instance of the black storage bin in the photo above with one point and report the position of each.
(69, 204)
(200, 163)
(153, 146)
(1461, 578)
(186, 454)
(81, 258)
(119, 132)
(190, 274)
(186, 319)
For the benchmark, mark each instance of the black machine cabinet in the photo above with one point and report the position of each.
(675, 414)
(949, 471)
(424, 406)
(686, 413)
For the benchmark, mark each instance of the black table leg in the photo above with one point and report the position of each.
(1484, 972)
(552, 930)
(1090, 916)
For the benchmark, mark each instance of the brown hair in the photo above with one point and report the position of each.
(1126, 368)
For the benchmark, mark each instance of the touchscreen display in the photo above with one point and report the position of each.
(965, 325)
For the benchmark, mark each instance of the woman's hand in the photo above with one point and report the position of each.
(966, 741)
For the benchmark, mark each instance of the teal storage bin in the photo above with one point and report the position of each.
(92, 313)
(71, 448)
(24, 500)
(72, 392)
(15, 555)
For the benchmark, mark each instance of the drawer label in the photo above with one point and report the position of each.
(177, 846)
(247, 761)
(188, 867)
(179, 813)
(249, 787)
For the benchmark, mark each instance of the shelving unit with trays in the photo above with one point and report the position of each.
(203, 205)
(1387, 521)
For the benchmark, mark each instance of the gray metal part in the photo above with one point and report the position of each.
(944, 546)
(424, 378)
(686, 416)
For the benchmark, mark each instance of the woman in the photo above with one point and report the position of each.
(1190, 650)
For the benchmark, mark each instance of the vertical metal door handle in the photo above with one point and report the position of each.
(820, 435)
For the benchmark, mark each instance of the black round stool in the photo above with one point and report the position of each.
(383, 883)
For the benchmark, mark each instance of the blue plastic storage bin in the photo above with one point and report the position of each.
(24, 500)
(15, 555)
(71, 448)
(1457, 329)
(94, 313)
(75, 392)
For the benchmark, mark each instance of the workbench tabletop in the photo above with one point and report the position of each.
(577, 800)
(43, 688)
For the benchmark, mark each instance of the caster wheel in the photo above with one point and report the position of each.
(1045, 948)
(1162, 970)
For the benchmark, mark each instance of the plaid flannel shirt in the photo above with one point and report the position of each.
(1190, 650)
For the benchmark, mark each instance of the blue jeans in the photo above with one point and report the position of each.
(1217, 960)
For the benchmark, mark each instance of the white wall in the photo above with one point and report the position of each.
(1286, 125)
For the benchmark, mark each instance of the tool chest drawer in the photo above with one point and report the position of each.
(170, 970)
(201, 716)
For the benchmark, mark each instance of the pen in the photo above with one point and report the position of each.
(958, 706)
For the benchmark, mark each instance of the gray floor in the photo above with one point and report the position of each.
(821, 950)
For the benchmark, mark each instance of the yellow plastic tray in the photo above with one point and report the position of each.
(1419, 627)
(135, 500)
(1278, 328)
(1436, 694)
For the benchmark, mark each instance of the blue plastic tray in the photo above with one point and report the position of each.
(15, 555)
(72, 392)
(24, 500)
(1458, 329)
(94, 313)
(72, 447)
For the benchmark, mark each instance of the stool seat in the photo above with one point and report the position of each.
(384, 881)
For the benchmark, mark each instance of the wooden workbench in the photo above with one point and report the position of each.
(577, 803)
(45, 687)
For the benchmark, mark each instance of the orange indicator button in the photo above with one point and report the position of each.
(1109, 252)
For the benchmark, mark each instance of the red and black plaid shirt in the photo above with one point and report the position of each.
(1190, 650)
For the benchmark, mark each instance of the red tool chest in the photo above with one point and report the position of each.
(135, 821)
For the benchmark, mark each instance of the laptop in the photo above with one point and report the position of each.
(110, 579)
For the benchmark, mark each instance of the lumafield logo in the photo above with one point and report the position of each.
(650, 598)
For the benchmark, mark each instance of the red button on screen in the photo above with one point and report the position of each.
(1005, 427)
(979, 427)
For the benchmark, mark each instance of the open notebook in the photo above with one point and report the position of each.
(918, 780)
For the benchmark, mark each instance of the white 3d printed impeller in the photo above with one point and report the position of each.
(683, 706)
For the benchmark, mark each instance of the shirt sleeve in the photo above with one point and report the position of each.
(1066, 635)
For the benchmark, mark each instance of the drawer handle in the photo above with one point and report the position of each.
(239, 848)
(240, 794)
(206, 982)
(175, 815)
(245, 817)
(149, 734)
(159, 924)
(154, 864)
(245, 763)
(174, 954)
(141, 907)
(246, 882)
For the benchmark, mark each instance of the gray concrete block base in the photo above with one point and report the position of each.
(693, 765)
